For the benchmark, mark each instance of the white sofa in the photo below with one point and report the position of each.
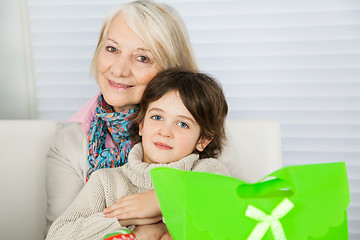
(254, 151)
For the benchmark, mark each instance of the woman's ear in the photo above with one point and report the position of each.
(140, 128)
(202, 143)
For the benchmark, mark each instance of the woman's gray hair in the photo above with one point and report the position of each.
(162, 30)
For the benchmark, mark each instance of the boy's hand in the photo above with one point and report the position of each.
(139, 221)
(166, 236)
(135, 206)
(150, 232)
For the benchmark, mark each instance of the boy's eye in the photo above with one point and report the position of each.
(143, 59)
(111, 49)
(183, 125)
(156, 117)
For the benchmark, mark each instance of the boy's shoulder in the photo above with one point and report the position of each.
(210, 165)
(105, 174)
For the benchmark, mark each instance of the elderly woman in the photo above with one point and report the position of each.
(137, 40)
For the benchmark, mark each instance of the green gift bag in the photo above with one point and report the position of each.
(294, 203)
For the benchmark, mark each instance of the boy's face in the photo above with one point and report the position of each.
(169, 131)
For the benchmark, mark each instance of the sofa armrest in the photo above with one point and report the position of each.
(24, 145)
(253, 148)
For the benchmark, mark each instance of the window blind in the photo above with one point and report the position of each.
(297, 62)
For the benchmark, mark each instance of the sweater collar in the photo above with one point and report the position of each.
(139, 173)
(86, 114)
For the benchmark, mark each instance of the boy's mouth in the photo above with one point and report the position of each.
(162, 146)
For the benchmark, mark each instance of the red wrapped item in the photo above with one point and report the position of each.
(123, 234)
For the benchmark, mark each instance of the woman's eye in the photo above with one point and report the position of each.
(156, 117)
(183, 125)
(143, 59)
(110, 49)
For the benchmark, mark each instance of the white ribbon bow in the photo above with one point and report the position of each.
(266, 221)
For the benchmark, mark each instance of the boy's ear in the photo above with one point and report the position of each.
(202, 143)
(140, 128)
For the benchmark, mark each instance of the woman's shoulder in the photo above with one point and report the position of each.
(72, 133)
(71, 142)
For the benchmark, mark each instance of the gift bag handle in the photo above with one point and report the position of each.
(266, 189)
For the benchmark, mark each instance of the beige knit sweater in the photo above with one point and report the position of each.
(84, 218)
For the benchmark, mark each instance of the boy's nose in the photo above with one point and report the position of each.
(165, 131)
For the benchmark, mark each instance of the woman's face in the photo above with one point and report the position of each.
(125, 66)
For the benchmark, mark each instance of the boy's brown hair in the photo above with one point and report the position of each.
(201, 94)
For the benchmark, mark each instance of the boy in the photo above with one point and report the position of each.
(180, 124)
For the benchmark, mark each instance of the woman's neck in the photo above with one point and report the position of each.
(124, 108)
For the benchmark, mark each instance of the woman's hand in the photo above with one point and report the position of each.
(150, 232)
(143, 205)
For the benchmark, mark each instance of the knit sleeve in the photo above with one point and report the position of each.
(210, 165)
(84, 218)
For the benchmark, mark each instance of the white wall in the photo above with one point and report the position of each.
(16, 91)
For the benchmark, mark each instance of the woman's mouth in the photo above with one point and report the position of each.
(119, 85)
(162, 146)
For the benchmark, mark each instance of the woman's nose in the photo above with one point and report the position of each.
(121, 67)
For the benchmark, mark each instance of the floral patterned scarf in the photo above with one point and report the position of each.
(117, 125)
